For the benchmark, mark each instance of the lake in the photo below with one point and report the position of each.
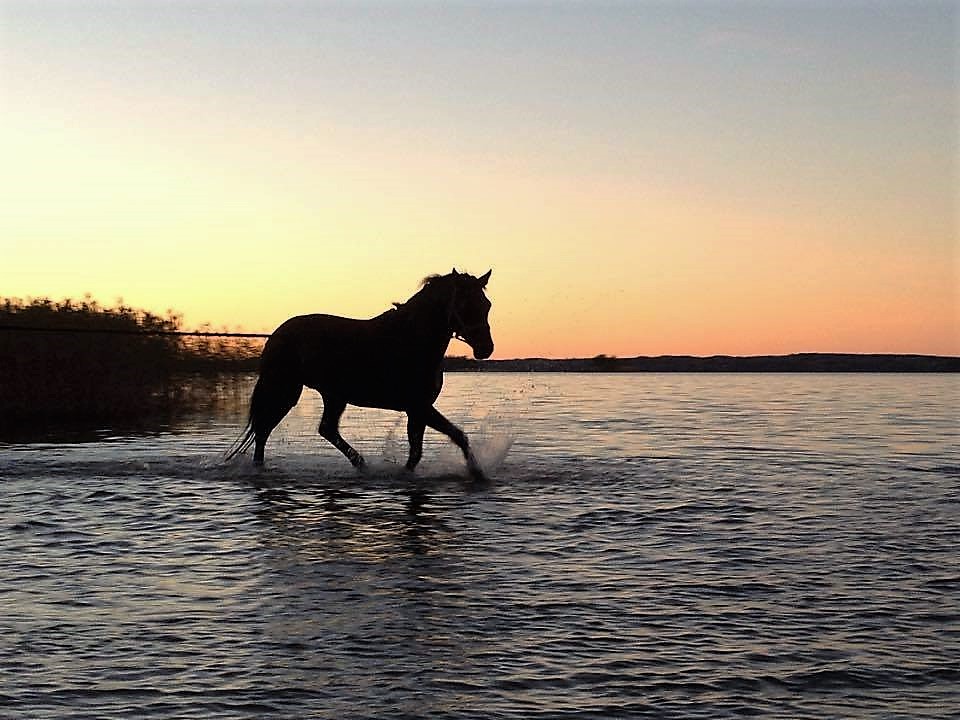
(650, 545)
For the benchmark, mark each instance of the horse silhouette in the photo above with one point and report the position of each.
(392, 361)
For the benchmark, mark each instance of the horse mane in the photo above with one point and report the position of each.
(425, 283)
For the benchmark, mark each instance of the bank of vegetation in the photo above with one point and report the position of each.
(79, 361)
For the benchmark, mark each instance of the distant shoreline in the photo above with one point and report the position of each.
(795, 363)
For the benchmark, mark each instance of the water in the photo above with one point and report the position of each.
(650, 546)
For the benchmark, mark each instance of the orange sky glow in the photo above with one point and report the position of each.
(643, 179)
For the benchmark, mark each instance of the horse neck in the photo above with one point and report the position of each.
(429, 317)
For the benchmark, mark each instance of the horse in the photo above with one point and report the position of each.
(392, 361)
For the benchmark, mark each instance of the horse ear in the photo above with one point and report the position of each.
(485, 278)
(454, 272)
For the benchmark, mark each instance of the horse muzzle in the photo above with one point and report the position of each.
(483, 350)
(479, 339)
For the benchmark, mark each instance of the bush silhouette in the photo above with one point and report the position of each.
(80, 361)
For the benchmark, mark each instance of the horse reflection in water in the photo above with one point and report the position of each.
(393, 361)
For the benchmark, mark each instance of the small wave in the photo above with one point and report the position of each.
(32, 525)
(866, 677)
(945, 470)
(944, 583)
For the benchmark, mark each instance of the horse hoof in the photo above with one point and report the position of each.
(476, 474)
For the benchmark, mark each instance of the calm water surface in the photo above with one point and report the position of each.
(650, 546)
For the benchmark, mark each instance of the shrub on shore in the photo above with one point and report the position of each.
(73, 361)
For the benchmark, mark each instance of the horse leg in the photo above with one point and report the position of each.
(330, 430)
(439, 423)
(415, 427)
(272, 400)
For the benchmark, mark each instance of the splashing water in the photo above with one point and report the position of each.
(490, 415)
(492, 428)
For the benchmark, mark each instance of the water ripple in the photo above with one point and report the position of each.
(703, 548)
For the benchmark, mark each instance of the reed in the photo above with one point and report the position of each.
(83, 362)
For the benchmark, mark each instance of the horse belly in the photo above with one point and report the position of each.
(348, 382)
(342, 358)
(386, 390)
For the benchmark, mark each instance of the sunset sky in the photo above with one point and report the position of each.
(643, 178)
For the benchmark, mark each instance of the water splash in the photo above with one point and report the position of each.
(492, 431)
(494, 438)
(394, 450)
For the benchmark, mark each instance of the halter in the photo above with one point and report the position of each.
(454, 320)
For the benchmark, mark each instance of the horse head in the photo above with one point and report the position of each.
(469, 308)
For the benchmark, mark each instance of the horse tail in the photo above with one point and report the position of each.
(277, 390)
(243, 443)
